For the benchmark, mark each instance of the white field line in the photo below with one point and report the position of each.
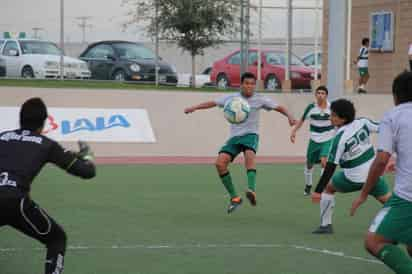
(207, 246)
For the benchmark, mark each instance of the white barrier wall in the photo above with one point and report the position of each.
(176, 134)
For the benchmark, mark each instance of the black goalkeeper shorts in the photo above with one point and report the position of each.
(23, 214)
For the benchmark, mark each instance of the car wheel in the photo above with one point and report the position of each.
(222, 82)
(119, 75)
(272, 83)
(27, 72)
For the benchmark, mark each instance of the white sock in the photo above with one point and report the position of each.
(308, 176)
(327, 203)
(362, 86)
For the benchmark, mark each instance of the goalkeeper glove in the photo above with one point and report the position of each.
(85, 152)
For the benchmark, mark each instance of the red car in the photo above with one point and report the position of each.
(226, 72)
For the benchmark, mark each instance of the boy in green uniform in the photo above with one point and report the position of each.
(393, 224)
(243, 137)
(353, 151)
(321, 134)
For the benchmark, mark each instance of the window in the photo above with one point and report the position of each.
(253, 57)
(100, 52)
(10, 45)
(309, 60)
(277, 58)
(235, 59)
(133, 51)
(39, 47)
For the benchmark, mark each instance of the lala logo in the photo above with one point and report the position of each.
(51, 125)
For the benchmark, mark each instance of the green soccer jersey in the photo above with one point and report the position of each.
(321, 128)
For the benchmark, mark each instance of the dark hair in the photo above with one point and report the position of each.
(33, 113)
(365, 41)
(402, 87)
(324, 88)
(247, 75)
(344, 109)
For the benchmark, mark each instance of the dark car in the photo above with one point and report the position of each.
(126, 61)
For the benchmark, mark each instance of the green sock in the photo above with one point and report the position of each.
(251, 179)
(395, 259)
(227, 182)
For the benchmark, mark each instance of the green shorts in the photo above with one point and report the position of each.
(344, 185)
(238, 144)
(316, 151)
(394, 221)
(363, 71)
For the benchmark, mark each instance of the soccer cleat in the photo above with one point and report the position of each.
(324, 230)
(362, 91)
(234, 203)
(251, 196)
(307, 190)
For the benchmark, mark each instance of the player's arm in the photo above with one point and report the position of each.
(298, 125)
(283, 110)
(326, 176)
(377, 169)
(385, 150)
(205, 105)
(78, 164)
(335, 154)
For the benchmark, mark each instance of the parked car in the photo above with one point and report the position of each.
(2, 68)
(122, 60)
(226, 72)
(309, 60)
(202, 79)
(39, 59)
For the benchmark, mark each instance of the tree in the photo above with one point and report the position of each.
(194, 24)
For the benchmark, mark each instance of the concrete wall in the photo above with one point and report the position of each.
(383, 67)
(198, 134)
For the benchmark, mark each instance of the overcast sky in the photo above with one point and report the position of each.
(107, 17)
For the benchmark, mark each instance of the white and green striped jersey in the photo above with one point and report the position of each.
(352, 149)
(321, 128)
(363, 57)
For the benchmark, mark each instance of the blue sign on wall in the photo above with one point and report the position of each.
(382, 31)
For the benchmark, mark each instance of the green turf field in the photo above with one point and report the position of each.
(172, 219)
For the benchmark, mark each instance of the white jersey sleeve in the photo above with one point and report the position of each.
(372, 126)
(336, 149)
(386, 135)
(268, 103)
(221, 101)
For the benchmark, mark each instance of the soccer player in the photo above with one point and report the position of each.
(393, 224)
(24, 152)
(243, 137)
(321, 134)
(363, 66)
(352, 150)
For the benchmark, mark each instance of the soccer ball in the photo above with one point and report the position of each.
(236, 110)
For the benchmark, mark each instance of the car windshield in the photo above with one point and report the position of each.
(39, 47)
(277, 58)
(133, 51)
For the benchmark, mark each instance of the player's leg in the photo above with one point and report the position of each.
(34, 222)
(327, 204)
(381, 191)
(312, 157)
(227, 154)
(250, 165)
(392, 225)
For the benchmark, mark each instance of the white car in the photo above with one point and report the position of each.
(202, 80)
(39, 59)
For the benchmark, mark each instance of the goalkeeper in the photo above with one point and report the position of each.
(24, 152)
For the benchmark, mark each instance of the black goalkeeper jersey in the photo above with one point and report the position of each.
(23, 154)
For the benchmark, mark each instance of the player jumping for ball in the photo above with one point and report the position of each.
(243, 137)
(352, 150)
(24, 152)
(321, 134)
(393, 224)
